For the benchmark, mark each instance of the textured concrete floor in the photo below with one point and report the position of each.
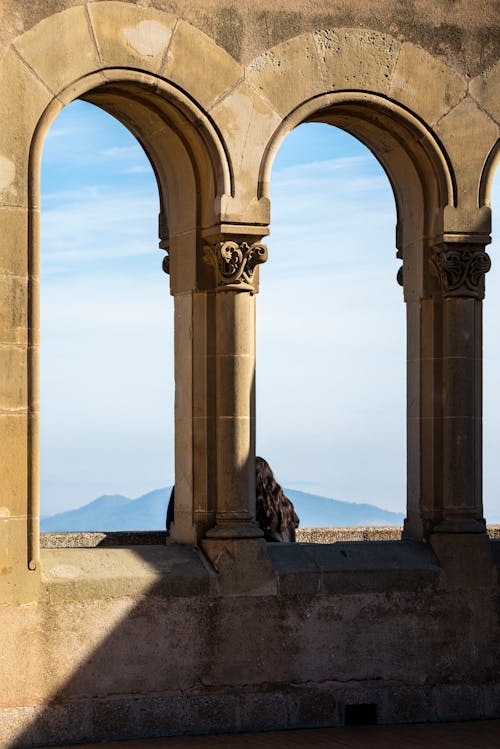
(471, 735)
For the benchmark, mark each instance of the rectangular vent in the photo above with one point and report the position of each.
(360, 715)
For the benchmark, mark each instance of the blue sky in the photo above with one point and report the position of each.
(330, 323)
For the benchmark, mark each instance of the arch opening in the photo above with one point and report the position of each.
(192, 173)
(331, 395)
(107, 340)
(423, 186)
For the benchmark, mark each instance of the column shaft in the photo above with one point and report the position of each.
(235, 285)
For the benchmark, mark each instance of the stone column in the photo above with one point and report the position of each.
(235, 283)
(445, 394)
(461, 269)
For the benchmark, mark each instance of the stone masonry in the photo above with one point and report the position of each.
(218, 631)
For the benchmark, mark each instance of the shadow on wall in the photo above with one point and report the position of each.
(138, 642)
(133, 642)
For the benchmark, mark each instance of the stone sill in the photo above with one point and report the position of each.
(172, 570)
(91, 539)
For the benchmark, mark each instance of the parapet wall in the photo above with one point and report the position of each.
(151, 640)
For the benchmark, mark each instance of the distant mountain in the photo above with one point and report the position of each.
(118, 513)
(316, 511)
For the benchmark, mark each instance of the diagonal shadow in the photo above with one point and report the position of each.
(133, 642)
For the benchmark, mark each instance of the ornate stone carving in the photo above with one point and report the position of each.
(235, 263)
(461, 270)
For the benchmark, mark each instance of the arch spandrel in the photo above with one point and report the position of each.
(469, 136)
(115, 34)
(286, 77)
(485, 90)
(425, 84)
(246, 121)
(60, 49)
(130, 36)
(122, 42)
(323, 61)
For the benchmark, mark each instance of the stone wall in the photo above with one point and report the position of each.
(219, 631)
(149, 641)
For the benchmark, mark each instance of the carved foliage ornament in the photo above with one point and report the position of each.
(235, 263)
(462, 270)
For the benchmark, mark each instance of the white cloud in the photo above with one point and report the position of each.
(56, 132)
(122, 153)
(139, 169)
(76, 232)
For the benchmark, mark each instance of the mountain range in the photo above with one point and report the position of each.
(116, 512)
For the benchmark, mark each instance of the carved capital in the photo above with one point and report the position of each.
(235, 264)
(461, 270)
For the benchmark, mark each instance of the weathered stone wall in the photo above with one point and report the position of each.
(128, 642)
(462, 33)
(219, 631)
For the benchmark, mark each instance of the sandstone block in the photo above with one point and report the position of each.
(198, 65)
(424, 84)
(60, 48)
(484, 88)
(19, 115)
(13, 459)
(325, 61)
(13, 309)
(13, 241)
(131, 36)
(13, 377)
(247, 123)
(468, 135)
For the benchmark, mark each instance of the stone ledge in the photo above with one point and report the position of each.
(103, 573)
(90, 539)
(354, 567)
(172, 570)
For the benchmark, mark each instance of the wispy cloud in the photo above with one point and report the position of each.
(139, 169)
(122, 153)
(56, 132)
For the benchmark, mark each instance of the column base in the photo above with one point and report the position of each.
(235, 530)
(461, 525)
(466, 560)
(242, 566)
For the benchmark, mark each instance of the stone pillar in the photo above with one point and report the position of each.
(235, 283)
(461, 270)
(445, 394)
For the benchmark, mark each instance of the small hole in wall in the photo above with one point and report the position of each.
(360, 715)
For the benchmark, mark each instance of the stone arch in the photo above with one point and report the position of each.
(145, 90)
(423, 185)
(332, 62)
(393, 97)
(415, 163)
